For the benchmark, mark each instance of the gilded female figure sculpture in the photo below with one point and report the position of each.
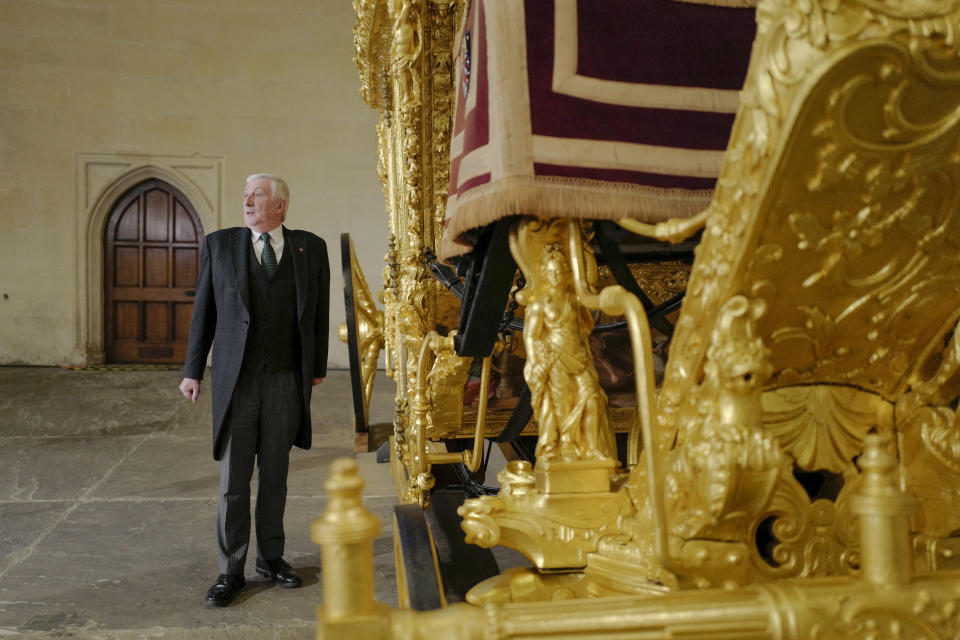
(565, 393)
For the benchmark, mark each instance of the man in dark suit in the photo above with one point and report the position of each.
(262, 303)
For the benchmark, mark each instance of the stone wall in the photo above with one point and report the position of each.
(91, 90)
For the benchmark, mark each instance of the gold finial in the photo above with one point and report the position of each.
(883, 511)
(345, 533)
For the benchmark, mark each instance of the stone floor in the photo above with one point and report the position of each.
(108, 502)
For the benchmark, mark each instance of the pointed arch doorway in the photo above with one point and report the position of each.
(151, 249)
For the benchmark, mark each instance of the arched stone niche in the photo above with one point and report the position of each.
(101, 180)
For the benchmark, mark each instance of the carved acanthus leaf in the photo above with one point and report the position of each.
(821, 426)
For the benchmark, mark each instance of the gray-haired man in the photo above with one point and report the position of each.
(262, 303)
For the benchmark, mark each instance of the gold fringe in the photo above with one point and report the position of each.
(557, 197)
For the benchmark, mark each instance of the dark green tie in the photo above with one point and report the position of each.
(268, 258)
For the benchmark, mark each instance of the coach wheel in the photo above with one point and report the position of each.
(363, 334)
(419, 586)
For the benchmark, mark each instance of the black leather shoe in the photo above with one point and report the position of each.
(224, 590)
(278, 571)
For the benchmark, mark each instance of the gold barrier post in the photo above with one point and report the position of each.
(345, 533)
(883, 510)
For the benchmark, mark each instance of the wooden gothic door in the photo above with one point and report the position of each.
(151, 258)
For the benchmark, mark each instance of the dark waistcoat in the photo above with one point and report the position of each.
(273, 339)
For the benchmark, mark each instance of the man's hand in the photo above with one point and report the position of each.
(317, 381)
(191, 388)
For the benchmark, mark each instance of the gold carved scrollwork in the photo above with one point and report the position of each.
(437, 393)
(886, 603)
(879, 165)
(874, 218)
(810, 538)
(555, 530)
(935, 621)
(717, 482)
(930, 442)
(937, 424)
(837, 206)
(659, 280)
(371, 39)
(389, 298)
(824, 429)
(445, 16)
(445, 382)
(726, 465)
(822, 426)
(404, 54)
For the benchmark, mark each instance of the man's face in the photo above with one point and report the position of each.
(261, 211)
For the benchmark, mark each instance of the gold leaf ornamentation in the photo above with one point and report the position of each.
(821, 426)
(810, 538)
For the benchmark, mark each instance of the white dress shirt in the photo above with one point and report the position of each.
(276, 241)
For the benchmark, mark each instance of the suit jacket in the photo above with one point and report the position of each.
(221, 316)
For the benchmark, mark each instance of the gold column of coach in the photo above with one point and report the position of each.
(404, 55)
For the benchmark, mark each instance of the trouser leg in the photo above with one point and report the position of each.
(236, 469)
(280, 416)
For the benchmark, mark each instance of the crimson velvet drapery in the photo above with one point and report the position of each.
(593, 109)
